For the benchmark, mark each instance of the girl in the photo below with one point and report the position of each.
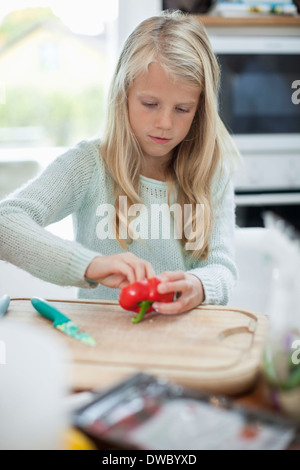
(164, 143)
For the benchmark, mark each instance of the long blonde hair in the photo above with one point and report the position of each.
(180, 44)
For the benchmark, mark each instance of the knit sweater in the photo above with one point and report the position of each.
(78, 183)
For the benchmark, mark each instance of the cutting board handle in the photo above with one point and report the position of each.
(232, 336)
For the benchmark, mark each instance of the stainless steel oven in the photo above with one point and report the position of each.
(259, 102)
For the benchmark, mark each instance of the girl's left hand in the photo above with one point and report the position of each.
(187, 285)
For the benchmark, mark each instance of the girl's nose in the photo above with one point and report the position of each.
(164, 119)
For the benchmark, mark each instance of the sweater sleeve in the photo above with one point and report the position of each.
(52, 196)
(218, 273)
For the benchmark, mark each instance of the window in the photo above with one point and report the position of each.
(49, 55)
(56, 61)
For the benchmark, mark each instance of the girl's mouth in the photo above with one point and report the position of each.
(159, 140)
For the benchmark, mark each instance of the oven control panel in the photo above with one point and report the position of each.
(268, 173)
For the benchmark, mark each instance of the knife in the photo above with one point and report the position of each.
(4, 304)
(61, 322)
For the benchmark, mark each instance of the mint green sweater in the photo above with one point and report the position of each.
(77, 183)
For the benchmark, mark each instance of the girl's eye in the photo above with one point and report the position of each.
(149, 105)
(182, 110)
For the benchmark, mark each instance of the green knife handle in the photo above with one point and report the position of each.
(48, 311)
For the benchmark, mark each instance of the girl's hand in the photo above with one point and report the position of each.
(187, 285)
(117, 271)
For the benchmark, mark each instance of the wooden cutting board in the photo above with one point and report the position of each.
(212, 348)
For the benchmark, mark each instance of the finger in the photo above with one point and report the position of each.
(171, 276)
(143, 269)
(115, 281)
(126, 270)
(149, 270)
(123, 284)
(140, 271)
(171, 308)
(175, 286)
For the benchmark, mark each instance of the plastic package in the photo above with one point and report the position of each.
(152, 413)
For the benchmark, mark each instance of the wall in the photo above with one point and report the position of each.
(131, 13)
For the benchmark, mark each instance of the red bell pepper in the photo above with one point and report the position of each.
(139, 297)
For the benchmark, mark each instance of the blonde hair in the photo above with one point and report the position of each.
(179, 43)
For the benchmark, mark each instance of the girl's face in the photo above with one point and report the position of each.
(161, 111)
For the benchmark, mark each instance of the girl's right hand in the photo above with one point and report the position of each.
(118, 271)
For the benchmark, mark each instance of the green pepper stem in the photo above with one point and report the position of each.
(144, 308)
